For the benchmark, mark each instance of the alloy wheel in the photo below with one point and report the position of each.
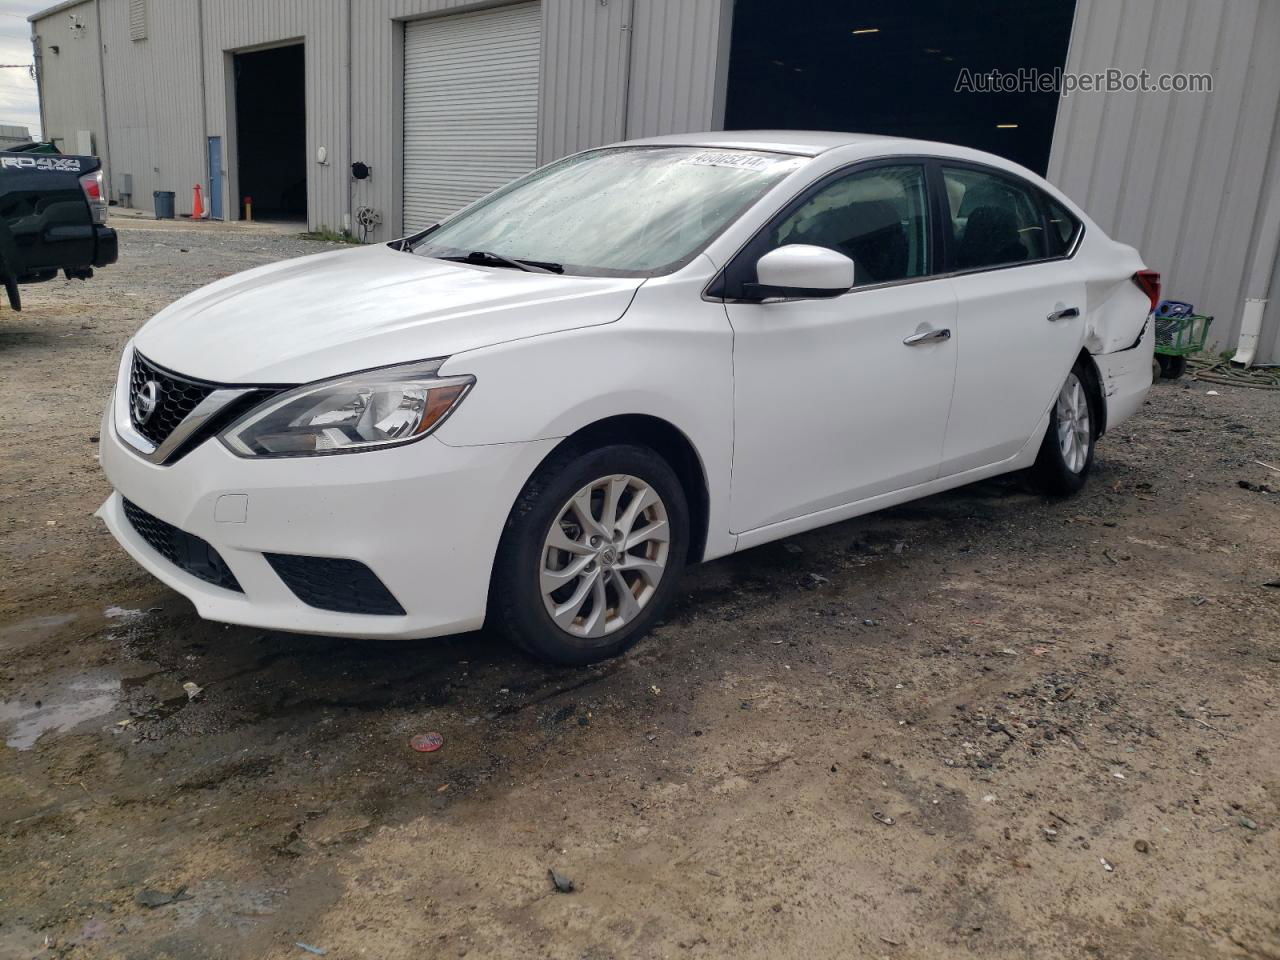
(1073, 424)
(604, 556)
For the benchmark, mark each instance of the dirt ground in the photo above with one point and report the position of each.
(993, 725)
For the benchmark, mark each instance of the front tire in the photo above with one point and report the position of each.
(1066, 453)
(591, 554)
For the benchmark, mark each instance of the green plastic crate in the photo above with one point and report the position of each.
(1182, 336)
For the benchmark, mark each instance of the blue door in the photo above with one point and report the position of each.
(215, 178)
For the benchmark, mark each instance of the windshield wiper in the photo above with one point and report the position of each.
(489, 259)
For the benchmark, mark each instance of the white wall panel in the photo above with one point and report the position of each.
(1181, 176)
(153, 100)
(70, 85)
(674, 66)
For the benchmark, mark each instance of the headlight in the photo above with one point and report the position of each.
(363, 411)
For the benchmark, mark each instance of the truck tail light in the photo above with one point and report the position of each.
(1148, 282)
(91, 184)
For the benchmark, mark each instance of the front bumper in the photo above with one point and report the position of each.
(425, 518)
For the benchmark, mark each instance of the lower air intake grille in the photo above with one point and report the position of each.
(330, 583)
(184, 550)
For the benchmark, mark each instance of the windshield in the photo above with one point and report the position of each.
(628, 211)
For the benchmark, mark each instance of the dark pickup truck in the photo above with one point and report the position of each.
(53, 212)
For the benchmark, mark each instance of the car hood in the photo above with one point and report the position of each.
(332, 313)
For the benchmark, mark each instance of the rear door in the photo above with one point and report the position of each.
(1020, 313)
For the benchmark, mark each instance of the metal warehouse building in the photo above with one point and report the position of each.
(394, 113)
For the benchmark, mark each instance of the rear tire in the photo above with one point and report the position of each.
(1066, 453)
(1171, 368)
(591, 554)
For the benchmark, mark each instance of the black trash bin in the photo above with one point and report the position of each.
(164, 204)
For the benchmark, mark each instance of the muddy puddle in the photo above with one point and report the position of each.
(58, 707)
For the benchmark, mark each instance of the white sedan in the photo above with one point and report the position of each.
(537, 412)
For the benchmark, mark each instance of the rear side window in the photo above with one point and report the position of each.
(877, 218)
(995, 220)
(1063, 227)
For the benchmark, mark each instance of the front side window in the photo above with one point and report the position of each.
(630, 211)
(995, 221)
(877, 218)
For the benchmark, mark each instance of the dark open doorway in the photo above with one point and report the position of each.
(271, 132)
(884, 66)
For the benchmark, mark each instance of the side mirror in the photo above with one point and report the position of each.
(801, 271)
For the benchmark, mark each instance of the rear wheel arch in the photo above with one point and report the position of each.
(1093, 382)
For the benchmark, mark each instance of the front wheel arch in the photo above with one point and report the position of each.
(518, 603)
(669, 442)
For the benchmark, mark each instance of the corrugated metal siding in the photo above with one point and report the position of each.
(154, 83)
(70, 84)
(1269, 342)
(583, 82)
(1181, 177)
(153, 101)
(321, 25)
(674, 67)
(584, 55)
(470, 107)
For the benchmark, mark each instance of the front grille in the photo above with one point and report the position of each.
(176, 397)
(184, 550)
(332, 583)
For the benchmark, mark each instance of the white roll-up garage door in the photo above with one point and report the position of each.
(470, 107)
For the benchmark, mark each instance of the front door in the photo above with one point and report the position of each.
(842, 399)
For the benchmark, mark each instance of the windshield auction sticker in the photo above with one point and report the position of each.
(739, 161)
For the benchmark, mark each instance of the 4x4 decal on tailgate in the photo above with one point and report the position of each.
(63, 164)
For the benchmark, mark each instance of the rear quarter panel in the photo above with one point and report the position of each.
(1117, 308)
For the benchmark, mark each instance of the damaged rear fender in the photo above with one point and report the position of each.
(1124, 376)
(1118, 308)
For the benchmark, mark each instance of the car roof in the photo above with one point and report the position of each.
(804, 143)
(853, 146)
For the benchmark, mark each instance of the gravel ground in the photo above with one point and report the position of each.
(995, 726)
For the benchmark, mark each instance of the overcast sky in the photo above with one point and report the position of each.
(18, 102)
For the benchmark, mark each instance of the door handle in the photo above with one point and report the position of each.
(928, 336)
(1070, 313)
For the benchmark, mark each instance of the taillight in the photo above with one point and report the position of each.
(91, 184)
(1148, 282)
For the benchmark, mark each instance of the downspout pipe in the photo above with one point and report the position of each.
(37, 57)
(1258, 287)
(628, 44)
(105, 147)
